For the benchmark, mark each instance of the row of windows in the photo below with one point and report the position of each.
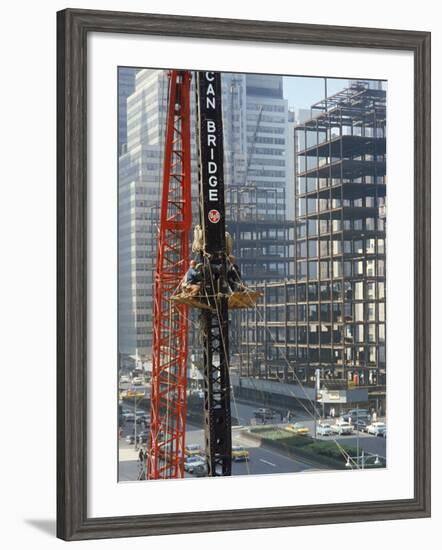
(327, 313)
(326, 269)
(305, 163)
(268, 162)
(355, 336)
(368, 356)
(312, 228)
(309, 184)
(143, 343)
(265, 108)
(144, 318)
(312, 205)
(267, 151)
(327, 247)
(276, 234)
(300, 292)
(266, 129)
(324, 291)
(267, 173)
(266, 118)
(274, 141)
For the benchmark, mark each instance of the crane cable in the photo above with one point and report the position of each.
(226, 355)
(313, 416)
(224, 346)
(340, 448)
(283, 354)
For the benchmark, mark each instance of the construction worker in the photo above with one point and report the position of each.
(192, 280)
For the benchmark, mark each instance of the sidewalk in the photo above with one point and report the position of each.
(127, 454)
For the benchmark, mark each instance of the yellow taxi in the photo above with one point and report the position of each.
(134, 394)
(239, 453)
(192, 450)
(297, 428)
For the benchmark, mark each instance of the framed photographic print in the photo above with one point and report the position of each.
(243, 274)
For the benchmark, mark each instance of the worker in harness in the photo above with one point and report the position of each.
(192, 280)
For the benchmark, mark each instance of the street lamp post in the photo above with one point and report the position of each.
(135, 423)
(317, 392)
(357, 432)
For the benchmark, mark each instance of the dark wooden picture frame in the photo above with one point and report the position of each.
(73, 27)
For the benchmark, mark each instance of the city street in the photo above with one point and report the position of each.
(262, 460)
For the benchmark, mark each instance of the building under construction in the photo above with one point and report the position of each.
(325, 327)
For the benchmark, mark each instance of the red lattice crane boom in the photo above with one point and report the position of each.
(169, 362)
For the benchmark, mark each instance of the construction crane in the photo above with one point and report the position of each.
(169, 365)
(169, 361)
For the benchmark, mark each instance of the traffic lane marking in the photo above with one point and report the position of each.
(267, 462)
(279, 455)
(296, 461)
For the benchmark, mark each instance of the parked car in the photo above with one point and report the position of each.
(264, 414)
(144, 418)
(191, 462)
(377, 428)
(342, 428)
(137, 381)
(239, 453)
(192, 450)
(324, 429)
(143, 437)
(360, 425)
(130, 438)
(357, 414)
(297, 428)
(200, 470)
(129, 417)
(133, 393)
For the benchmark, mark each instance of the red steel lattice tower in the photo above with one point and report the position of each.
(169, 362)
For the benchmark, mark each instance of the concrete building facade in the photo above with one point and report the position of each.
(126, 87)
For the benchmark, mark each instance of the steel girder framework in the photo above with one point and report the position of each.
(169, 364)
(217, 389)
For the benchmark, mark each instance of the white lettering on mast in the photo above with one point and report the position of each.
(211, 126)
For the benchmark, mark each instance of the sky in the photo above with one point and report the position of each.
(302, 91)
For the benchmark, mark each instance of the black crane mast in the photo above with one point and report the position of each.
(214, 320)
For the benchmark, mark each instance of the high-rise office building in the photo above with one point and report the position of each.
(126, 86)
(140, 177)
(260, 196)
